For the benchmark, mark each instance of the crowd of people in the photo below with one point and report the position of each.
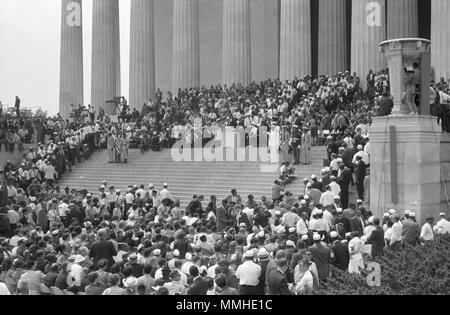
(142, 242)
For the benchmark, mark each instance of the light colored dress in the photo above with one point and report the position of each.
(356, 248)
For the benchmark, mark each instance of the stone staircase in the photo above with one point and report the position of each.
(185, 178)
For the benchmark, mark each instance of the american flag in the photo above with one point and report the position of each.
(118, 145)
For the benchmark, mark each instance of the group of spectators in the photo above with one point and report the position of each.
(142, 242)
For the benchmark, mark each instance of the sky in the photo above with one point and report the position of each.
(30, 47)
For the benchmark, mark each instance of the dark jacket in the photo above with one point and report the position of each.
(277, 283)
(198, 287)
(341, 255)
(411, 232)
(322, 257)
(376, 239)
(103, 249)
(356, 225)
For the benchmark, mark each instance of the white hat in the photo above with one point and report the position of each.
(151, 186)
(306, 197)
(79, 259)
(176, 253)
(392, 211)
(263, 253)
(290, 243)
(313, 176)
(249, 254)
(165, 185)
(371, 220)
(260, 234)
(188, 256)
(306, 179)
(118, 191)
(336, 198)
(319, 212)
(316, 237)
(339, 160)
(386, 215)
(130, 282)
(129, 189)
(333, 234)
(292, 229)
(339, 210)
(359, 201)
(442, 214)
(309, 185)
(359, 147)
(348, 234)
(278, 212)
(242, 225)
(327, 169)
(305, 237)
(156, 252)
(412, 214)
(329, 137)
(303, 202)
(407, 211)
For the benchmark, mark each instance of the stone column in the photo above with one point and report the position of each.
(142, 53)
(186, 45)
(368, 31)
(71, 71)
(105, 54)
(402, 19)
(236, 59)
(295, 39)
(332, 37)
(440, 38)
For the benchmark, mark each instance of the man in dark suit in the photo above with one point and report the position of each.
(385, 105)
(344, 181)
(102, 249)
(357, 223)
(376, 239)
(411, 230)
(277, 279)
(341, 255)
(326, 178)
(321, 255)
(199, 286)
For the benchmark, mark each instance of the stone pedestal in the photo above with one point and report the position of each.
(142, 53)
(440, 37)
(105, 54)
(332, 37)
(368, 30)
(445, 173)
(402, 19)
(405, 165)
(295, 39)
(236, 57)
(186, 45)
(71, 72)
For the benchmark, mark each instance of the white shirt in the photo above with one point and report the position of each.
(165, 194)
(63, 208)
(364, 157)
(129, 198)
(327, 198)
(334, 165)
(248, 273)
(302, 227)
(305, 284)
(427, 232)
(4, 289)
(335, 188)
(396, 235)
(442, 226)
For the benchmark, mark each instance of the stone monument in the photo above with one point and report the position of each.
(405, 149)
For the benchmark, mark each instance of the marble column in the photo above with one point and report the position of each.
(186, 45)
(295, 39)
(332, 37)
(236, 58)
(142, 53)
(402, 19)
(368, 31)
(105, 54)
(440, 38)
(71, 71)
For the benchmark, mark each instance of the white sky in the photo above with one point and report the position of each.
(29, 51)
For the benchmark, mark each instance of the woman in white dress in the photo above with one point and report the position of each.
(356, 248)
